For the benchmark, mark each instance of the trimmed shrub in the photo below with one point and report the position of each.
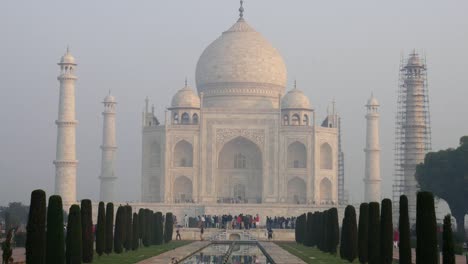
(426, 229)
(135, 231)
(374, 233)
(300, 228)
(168, 228)
(363, 233)
(36, 229)
(141, 225)
(159, 228)
(146, 228)
(119, 226)
(308, 231)
(101, 230)
(128, 228)
(404, 246)
(74, 240)
(109, 228)
(386, 232)
(87, 230)
(55, 241)
(334, 230)
(349, 241)
(448, 247)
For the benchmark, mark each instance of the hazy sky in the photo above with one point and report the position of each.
(335, 49)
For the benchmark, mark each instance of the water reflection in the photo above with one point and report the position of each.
(240, 254)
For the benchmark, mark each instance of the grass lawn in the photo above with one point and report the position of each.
(311, 254)
(138, 255)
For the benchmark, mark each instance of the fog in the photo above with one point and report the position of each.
(334, 49)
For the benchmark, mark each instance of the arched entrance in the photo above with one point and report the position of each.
(297, 191)
(240, 172)
(326, 194)
(182, 190)
(297, 155)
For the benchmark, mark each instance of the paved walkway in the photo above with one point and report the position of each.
(459, 259)
(179, 253)
(18, 255)
(279, 255)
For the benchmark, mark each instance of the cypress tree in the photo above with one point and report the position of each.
(426, 228)
(128, 228)
(448, 248)
(350, 242)
(36, 229)
(145, 237)
(74, 241)
(109, 228)
(168, 228)
(315, 229)
(159, 228)
(87, 231)
(101, 230)
(135, 237)
(344, 235)
(300, 228)
(363, 235)
(118, 245)
(141, 225)
(404, 246)
(308, 231)
(150, 230)
(386, 232)
(55, 247)
(324, 238)
(374, 233)
(334, 230)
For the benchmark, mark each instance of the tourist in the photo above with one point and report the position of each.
(396, 238)
(186, 221)
(178, 234)
(201, 232)
(270, 233)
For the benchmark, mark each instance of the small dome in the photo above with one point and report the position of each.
(414, 60)
(67, 58)
(109, 99)
(295, 99)
(372, 101)
(186, 98)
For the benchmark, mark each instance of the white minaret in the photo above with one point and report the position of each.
(108, 147)
(372, 178)
(65, 161)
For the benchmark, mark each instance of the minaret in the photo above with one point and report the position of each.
(65, 161)
(372, 192)
(108, 147)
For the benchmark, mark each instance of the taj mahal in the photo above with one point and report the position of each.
(240, 136)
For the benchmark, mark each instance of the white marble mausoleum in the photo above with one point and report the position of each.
(240, 136)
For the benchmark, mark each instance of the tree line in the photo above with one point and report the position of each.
(47, 241)
(370, 240)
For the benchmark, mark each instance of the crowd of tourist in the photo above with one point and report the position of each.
(241, 221)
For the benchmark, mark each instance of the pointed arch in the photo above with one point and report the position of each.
(182, 189)
(295, 120)
(297, 191)
(297, 155)
(195, 119)
(305, 120)
(286, 120)
(326, 193)
(326, 157)
(183, 154)
(185, 119)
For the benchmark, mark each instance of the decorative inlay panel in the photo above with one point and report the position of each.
(224, 135)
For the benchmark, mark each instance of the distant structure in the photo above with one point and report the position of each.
(333, 120)
(372, 180)
(109, 147)
(65, 161)
(412, 128)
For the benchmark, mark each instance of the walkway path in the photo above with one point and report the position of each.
(459, 259)
(279, 255)
(179, 253)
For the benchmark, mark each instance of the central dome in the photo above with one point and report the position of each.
(241, 69)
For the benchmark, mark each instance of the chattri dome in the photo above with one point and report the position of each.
(185, 98)
(241, 62)
(295, 99)
(67, 58)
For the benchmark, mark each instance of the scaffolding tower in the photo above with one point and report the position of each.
(412, 127)
(341, 191)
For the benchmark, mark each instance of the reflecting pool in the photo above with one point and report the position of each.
(235, 253)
